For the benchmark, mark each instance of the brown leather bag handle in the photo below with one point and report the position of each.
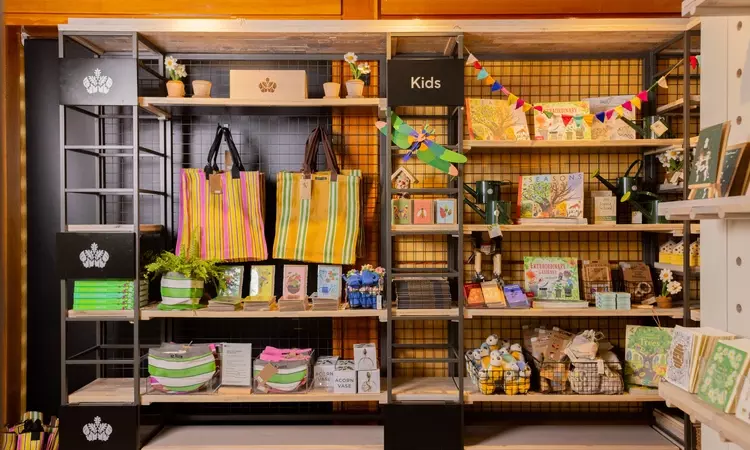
(318, 136)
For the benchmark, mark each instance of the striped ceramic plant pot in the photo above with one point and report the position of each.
(180, 292)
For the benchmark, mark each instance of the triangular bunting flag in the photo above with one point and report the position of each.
(619, 110)
(496, 86)
(589, 119)
(600, 117)
(548, 114)
(698, 58)
(627, 105)
(566, 119)
(504, 91)
(539, 108)
(663, 83)
(482, 74)
(643, 95)
(512, 99)
(635, 101)
(579, 120)
(527, 107)
(693, 62)
(471, 60)
(609, 113)
(489, 81)
(477, 65)
(519, 103)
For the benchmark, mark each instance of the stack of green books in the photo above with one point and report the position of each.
(108, 295)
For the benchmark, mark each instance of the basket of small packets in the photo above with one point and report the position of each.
(498, 367)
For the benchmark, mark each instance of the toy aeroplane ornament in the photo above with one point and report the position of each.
(421, 143)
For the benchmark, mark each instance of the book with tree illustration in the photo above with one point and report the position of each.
(646, 350)
(551, 278)
(551, 196)
(495, 120)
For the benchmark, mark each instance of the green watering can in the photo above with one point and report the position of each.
(487, 192)
(624, 184)
(648, 207)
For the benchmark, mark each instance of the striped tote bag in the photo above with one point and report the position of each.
(223, 211)
(179, 292)
(318, 214)
(181, 368)
(8, 441)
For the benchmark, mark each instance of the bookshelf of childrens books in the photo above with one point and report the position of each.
(428, 394)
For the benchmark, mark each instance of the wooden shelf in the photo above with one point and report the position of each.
(152, 312)
(695, 270)
(652, 228)
(728, 426)
(451, 312)
(425, 229)
(101, 315)
(107, 390)
(587, 144)
(425, 389)
(737, 207)
(695, 315)
(114, 228)
(534, 397)
(160, 105)
(675, 313)
(234, 394)
(565, 436)
(695, 101)
(715, 8)
(269, 437)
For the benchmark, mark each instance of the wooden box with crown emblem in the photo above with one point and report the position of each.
(276, 85)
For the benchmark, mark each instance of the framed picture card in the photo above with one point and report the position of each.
(445, 211)
(234, 276)
(295, 282)
(329, 281)
(262, 281)
(423, 212)
(401, 208)
(704, 170)
(729, 167)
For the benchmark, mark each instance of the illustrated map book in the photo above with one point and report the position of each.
(726, 369)
(550, 196)
(646, 351)
(495, 120)
(551, 278)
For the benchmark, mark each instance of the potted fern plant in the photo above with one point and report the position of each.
(183, 279)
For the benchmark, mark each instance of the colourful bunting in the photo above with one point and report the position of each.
(619, 110)
(627, 105)
(643, 95)
(663, 83)
(471, 60)
(527, 107)
(698, 58)
(609, 113)
(600, 117)
(579, 120)
(693, 62)
(548, 114)
(504, 91)
(519, 103)
(489, 81)
(496, 86)
(482, 74)
(589, 119)
(539, 108)
(512, 99)
(477, 65)
(635, 101)
(566, 119)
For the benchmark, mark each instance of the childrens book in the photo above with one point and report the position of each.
(612, 129)
(726, 369)
(680, 359)
(262, 282)
(329, 281)
(295, 282)
(423, 212)
(551, 196)
(234, 277)
(646, 351)
(554, 128)
(473, 295)
(401, 210)
(597, 277)
(495, 120)
(707, 339)
(445, 211)
(743, 403)
(708, 152)
(515, 296)
(493, 295)
(551, 278)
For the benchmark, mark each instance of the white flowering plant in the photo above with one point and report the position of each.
(672, 161)
(358, 70)
(175, 71)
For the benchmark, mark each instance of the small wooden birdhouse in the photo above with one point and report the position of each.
(403, 179)
(665, 251)
(677, 251)
(695, 253)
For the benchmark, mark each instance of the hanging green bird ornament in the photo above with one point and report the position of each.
(421, 143)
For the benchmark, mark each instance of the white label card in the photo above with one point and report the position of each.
(237, 364)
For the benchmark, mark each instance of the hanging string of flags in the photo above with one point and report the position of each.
(618, 111)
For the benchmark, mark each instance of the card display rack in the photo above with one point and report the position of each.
(421, 350)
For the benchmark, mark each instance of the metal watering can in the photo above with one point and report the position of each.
(648, 207)
(624, 184)
(487, 192)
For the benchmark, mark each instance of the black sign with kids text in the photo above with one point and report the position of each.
(431, 82)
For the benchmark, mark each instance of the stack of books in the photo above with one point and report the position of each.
(259, 304)
(108, 295)
(423, 294)
(324, 304)
(225, 304)
(286, 304)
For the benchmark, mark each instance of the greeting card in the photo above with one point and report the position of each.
(262, 281)
(295, 282)
(329, 281)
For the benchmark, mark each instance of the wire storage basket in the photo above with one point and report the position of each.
(582, 377)
(499, 379)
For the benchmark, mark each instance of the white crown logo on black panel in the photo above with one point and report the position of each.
(97, 84)
(97, 431)
(94, 257)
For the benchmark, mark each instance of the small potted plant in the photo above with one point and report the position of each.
(672, 161)
(356, 85)
(183, 279)
(669, 287)
(175, 71)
